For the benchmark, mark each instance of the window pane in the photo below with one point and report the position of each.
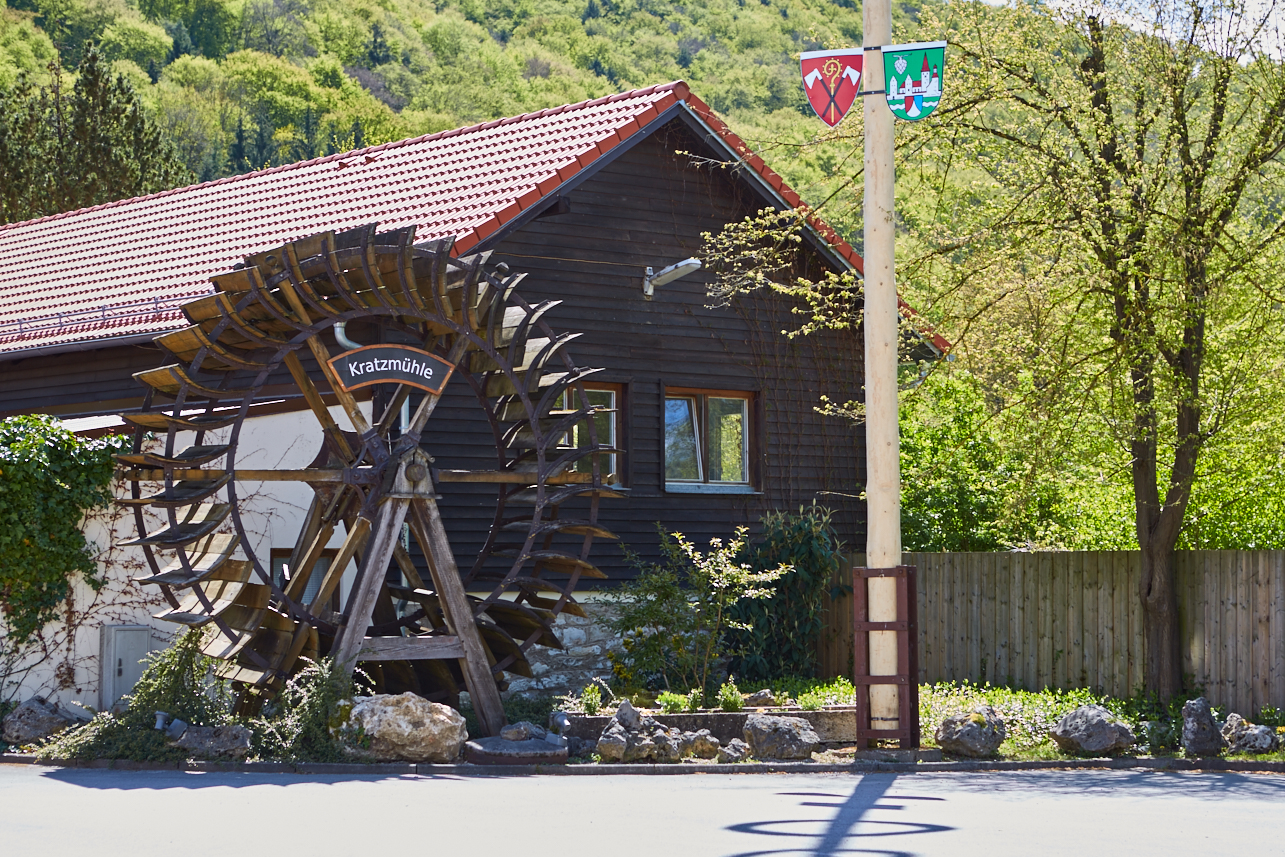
(682, 454)
(319, 570)
(604, 423)
(728, 450)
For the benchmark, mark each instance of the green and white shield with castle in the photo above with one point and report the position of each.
(912, 77)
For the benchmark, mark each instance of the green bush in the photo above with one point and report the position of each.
(591, 700)
(673, 617)
(176, 681)
(780, 634)
(729, 697)
(672, 703)
(49, 478)
(303, 723)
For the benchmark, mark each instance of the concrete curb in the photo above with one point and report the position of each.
(397, 769)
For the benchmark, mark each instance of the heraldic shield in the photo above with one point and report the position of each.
(832, 80)
(912, 77)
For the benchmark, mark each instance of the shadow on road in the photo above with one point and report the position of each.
(839, 834)
(158, 780)
(1214, 784)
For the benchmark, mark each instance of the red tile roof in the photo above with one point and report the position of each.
(122, 269)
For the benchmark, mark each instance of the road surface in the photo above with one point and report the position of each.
(51, 811)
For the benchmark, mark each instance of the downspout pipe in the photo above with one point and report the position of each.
(341, 336)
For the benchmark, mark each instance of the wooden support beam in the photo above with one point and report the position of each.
(409, 649)
(426, 524)
(313, 474)
(370, 578)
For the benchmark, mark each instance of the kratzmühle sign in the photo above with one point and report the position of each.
(391, 364)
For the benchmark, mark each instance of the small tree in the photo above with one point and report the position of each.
(673, 616)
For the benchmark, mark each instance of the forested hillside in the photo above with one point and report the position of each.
(240, 84)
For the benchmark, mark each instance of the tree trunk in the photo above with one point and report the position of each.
(1160, 614)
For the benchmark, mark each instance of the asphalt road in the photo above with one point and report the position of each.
(50, 811)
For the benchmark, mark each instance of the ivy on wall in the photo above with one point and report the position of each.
(49, 479)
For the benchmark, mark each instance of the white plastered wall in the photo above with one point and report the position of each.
(64, 663)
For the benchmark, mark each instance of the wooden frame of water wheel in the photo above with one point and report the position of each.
(460, 318)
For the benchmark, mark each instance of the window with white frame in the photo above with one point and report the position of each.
(707, 438)
(606, 399)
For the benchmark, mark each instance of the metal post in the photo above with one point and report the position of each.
(883, 472)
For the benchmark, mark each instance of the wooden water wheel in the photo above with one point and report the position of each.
(440, 318)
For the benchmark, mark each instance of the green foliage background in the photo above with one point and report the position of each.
(241, 84)
(48, 479)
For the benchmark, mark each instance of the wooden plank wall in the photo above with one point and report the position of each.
(1073, 619)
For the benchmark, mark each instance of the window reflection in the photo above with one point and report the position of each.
(682, 452)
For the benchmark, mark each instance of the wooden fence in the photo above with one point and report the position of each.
(1073, 619)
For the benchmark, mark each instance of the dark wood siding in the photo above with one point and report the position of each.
(649, 207)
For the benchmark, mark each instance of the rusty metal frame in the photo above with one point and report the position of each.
(906, 679)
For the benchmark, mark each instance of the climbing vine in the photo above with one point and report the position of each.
(49, 479)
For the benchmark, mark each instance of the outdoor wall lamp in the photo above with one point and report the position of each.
(667, 275)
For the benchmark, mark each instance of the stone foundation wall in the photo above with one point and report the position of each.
(586, 643)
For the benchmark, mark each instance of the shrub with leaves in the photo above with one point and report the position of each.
(305, 722)
(49, 478)
(177, 681)
(729, 697)
(780, 634)
(673, 616)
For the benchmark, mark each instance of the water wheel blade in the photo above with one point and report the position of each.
(200, 522)
(184, 493)
(205, 558)
(160, 421)
(190, 457)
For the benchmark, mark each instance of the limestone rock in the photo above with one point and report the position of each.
(1245, 737)
(976, 734)
(628, 716)
(613, 742)
(32, 721)
(735, 750)
(410, 728)
(212, 742)
(498, 751)
(1092, 729)
(772, 737)
(668, 745)
(581, 747)
(761, 699)
(523, 730)
(700, 744)
(1200, 736)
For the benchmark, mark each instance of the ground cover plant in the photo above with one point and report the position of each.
(302, 724)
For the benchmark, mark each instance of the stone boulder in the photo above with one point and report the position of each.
(631, 736)
(407, 727)
(613, 742)
(1092, 729)
(976, 734)
(702, 744)
(1200, 735)
(761, 699)
(215, 742)
(1245, 737)
(523, 730)
(772, 737)
(32, 721)
(735, 750)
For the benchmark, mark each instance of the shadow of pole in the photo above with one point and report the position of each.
(840, 829)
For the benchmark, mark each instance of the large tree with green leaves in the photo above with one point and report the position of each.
(63, 149)
(1117, 167)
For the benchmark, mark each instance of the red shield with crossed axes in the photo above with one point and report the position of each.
(832, 80)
